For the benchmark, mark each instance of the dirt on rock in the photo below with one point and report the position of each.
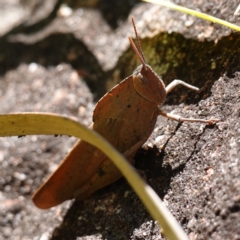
(60, 59)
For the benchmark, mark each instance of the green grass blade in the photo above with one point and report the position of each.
(195, 13)
(51, 124)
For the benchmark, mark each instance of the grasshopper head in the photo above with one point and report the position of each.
(149, 85)
(145, 81)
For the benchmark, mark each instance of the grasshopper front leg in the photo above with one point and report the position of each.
(177, 82)
(178, 118)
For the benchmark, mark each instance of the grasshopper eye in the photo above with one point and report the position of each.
(149, 86)
(141, 79)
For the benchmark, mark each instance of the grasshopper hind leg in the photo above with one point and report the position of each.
(106, 173)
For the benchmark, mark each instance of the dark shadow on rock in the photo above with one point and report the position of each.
(114, 12)
(54, 50)
(150, 162)
(115, 211)
(197, 63)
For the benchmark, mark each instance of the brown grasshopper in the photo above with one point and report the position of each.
(126, 117)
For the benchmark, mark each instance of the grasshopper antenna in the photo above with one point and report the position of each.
(138, 40)
(138, 50)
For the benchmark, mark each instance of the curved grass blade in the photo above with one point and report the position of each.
(51, 124)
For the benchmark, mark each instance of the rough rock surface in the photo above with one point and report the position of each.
(56, 59)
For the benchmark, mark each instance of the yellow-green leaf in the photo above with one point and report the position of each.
(51, 124)
(194, 13)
